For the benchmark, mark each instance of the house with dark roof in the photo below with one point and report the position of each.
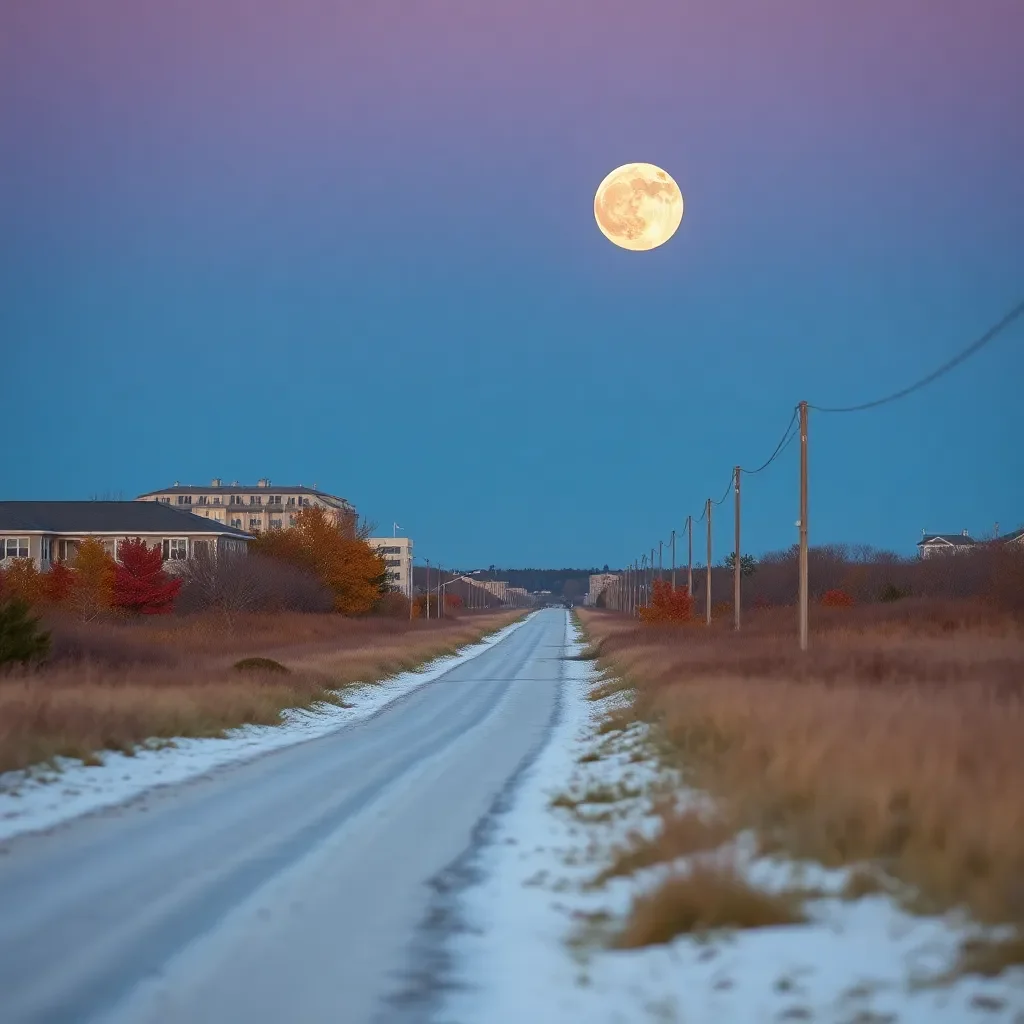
(944, 543)
(254, 508)
(50, 531)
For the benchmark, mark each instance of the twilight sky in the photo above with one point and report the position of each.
(353, 244)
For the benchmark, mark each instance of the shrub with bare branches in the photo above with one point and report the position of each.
(234, 582)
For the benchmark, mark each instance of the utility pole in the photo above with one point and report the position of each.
(689, 557)
(426, 592)
(803, 527)
(673, 561)
(736, 555)
(707, 585)
(661, 560)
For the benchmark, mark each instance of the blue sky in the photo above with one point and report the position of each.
(359, 250)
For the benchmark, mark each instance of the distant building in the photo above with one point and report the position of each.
(254, 508)
(932, 544)
(397, 552)
(51, 531)
(598, 584)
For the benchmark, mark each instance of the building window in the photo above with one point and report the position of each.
(254, 524)
(292, 520)
(201, 500)
(67, 549)
(291, 500)
(274, 499)
(394, 562)
(275, 524)
(235, 499)
(184, 499)
(201, 548)
(176, 549)
(165, 501)
(216, 500)
(236, 523)
(14, 547)
(47, 548)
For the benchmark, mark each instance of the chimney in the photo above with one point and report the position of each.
(263, 482)
(215, 482)
(176, 484)
(997, 530)
(963, 533)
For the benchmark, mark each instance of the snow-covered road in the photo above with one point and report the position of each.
(292, 887)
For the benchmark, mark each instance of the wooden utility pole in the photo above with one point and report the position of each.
(736, 555)
(661, 560)
(673, 560)
(689, 557)
(803, 527)
(707, 585)
(426, 593)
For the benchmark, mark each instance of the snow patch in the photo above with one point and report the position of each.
(41, 797)
(532, 951)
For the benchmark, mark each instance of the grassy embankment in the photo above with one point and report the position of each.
(895, 745)
(114, 685)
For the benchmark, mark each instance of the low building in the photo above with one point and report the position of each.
(932, 544)
(51, 531)
(254, 508)
(599, 582)
(397, 552)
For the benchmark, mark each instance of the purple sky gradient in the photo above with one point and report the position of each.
(330, 183)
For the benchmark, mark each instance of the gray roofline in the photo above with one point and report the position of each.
(242, 489)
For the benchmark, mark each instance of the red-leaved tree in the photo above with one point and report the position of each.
(668, 605)
(58, 583)
(140, 583)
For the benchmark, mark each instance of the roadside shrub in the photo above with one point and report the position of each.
(836, 599)
(890, 593)
(21, 639)
(261, 665)
(393, 606)
(668, 605)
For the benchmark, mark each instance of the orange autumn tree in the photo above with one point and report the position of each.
(93, 587)
(336, 553)
(668, 605)
(22, 579)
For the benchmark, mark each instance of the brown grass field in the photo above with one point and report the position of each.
(113, 685)
(895, 742)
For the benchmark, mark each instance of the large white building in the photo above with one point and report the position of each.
(254, 508)
(397, 552)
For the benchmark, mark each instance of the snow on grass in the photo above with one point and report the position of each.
(537, 942)
(46, 795)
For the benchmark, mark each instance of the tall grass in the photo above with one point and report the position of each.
(114, 685)
(897, 739)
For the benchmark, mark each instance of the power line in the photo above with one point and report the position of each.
(779, 448)
(975, 346)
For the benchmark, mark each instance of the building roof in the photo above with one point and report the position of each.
(1014, 535)
(946, 538)
(244, 489)
(116, 517)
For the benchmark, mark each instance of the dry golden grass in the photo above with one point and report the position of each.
(681, 835)
(710, 896)
(129, 683)
(896, 740)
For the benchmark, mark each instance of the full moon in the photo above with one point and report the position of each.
(638, 206)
